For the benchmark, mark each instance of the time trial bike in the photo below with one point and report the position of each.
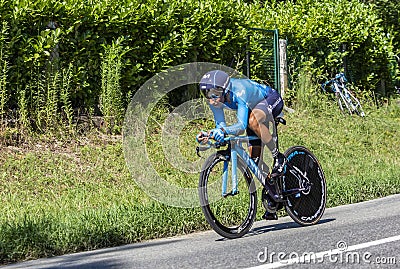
(228, 192)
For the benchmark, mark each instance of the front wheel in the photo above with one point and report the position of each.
(342, 104)
(231, 216)
(347, 101)
(303, 171)
(357, 108)
(345, 104)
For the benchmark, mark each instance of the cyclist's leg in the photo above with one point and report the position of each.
(254, 145)
(263, 113)
(257, 118)
(255, 149)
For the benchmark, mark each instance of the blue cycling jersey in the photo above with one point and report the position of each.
(244, 94)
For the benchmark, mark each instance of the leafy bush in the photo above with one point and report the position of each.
(158, 34)
(48, 36)
(317, 32)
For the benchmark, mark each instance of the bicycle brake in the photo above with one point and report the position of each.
(198, 149)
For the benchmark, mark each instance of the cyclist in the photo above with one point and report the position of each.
(255, 103)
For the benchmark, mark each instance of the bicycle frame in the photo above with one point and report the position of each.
(236, 150)
(343, 95)
(341, 89)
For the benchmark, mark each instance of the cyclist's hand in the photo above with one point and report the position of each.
(217, 134)
(202, 137)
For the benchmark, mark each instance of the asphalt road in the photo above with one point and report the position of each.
(363, 235)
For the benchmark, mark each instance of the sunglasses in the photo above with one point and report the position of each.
(214, 93)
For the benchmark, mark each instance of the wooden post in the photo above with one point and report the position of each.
(283, 66)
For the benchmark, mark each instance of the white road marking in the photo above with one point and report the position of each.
(320, 256)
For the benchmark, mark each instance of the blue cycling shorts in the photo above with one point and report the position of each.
(271, 106)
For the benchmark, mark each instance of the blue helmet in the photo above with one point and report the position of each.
(214, 83)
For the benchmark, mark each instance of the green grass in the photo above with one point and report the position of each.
(63, 201)
(360, 156)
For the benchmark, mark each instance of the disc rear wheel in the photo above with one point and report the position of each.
(304, 171)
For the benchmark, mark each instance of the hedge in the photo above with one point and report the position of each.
(55, 47)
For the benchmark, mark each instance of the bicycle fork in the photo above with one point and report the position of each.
(225, 175)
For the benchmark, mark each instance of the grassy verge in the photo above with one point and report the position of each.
(76, 197)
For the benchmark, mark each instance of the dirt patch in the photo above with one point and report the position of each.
(17, 145)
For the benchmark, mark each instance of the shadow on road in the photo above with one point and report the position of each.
(277, 227)
(281, 226)
(102, 264)
(99, 259)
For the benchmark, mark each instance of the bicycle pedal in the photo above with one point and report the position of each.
(271, 180)
(270, 216)
(230, 194)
